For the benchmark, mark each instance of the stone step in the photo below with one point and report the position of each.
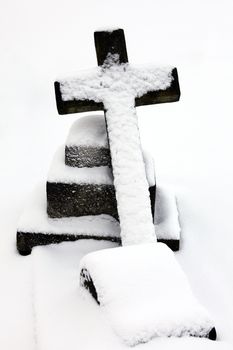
(64, 200)
(87, 156)
(73, 191)
(87, 143)
(36, 228)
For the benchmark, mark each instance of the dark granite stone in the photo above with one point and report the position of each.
(171, 94)
(65, 200)
(87, 282)
(212, 334)
(74, 106)
(107, 42)
(173, 244)
(27, 240)
(152, 191)
(85, 156)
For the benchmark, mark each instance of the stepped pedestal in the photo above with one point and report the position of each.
(80, 202)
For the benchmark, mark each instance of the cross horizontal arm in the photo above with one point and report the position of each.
(171, 94)
(82, 101)
(75, 106)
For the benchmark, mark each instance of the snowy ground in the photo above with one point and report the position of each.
(191, 141)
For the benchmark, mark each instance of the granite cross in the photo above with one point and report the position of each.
(117, 88)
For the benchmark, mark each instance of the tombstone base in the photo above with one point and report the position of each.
(37, 228)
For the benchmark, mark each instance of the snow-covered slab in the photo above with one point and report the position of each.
(66, 319)
(144, 293)
(35, 227)
(35, 219)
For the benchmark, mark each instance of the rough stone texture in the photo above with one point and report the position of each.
(81, 156)
(65, 200)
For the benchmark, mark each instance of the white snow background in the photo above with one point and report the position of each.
(191, 142)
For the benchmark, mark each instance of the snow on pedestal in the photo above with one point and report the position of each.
(60, 172)
(87, 143)
(36, 228)
(73, 191)
(144, 293)
(35, 220)
(88, 131)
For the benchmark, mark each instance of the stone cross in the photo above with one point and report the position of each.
(117, 88)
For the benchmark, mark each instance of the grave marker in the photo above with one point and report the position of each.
(117, 88)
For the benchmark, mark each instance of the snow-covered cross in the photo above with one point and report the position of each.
(117, 88)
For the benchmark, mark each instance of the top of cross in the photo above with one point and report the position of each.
(110, 43)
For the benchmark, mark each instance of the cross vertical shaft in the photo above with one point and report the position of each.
(133, 201)
(129, 175)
